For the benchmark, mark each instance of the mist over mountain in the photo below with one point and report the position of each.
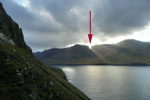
(127, 52)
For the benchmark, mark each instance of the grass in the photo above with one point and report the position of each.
(12, 58)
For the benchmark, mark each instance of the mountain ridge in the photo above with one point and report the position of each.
(126, 52)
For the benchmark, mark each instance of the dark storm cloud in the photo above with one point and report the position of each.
(122, 17)
(58, 23)
(28, 20)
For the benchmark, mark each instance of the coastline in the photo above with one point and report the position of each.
(104, 64)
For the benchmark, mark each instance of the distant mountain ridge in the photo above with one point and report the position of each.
(71, 55)
(127, 52)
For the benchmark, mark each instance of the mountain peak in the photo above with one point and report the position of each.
(129, 42)
(79, 45)
(1, 8)
(10, 31)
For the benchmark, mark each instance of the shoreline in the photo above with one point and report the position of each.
(131, 64)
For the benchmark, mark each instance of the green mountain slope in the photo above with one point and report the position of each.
(77, 54)
(22, 76)
(127, 52)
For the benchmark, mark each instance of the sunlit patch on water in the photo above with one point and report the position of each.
(110, 82)
(68, 69)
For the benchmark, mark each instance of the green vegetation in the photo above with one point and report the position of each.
(127, 52)
(33, 80)
(22, 76)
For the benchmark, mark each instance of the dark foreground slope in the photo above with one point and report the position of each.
(22, 76)
(127, 52)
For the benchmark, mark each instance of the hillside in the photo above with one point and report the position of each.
(77, 54)
(22, 76)
(127, 52)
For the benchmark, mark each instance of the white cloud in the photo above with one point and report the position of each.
(25, 3)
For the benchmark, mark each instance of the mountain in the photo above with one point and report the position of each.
(22, 76)
(77, 54)
(127, 52)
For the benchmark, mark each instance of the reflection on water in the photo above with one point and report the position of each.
(111, 82)
(68, 69)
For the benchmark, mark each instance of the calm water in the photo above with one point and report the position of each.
(111, 82)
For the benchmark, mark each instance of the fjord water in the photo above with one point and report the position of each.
(111, 82)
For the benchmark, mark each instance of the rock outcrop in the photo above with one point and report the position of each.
(22, 76)
(10, 31)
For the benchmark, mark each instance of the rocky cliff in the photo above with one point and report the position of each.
(22, 76)
(10, 31)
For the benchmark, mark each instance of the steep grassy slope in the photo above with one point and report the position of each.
(22, 76)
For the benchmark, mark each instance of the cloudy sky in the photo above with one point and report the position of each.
(61, 23)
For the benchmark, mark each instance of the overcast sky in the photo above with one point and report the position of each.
(60, 23)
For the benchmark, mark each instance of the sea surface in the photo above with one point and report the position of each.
(111, 82)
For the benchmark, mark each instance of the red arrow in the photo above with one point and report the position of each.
(90, 35)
